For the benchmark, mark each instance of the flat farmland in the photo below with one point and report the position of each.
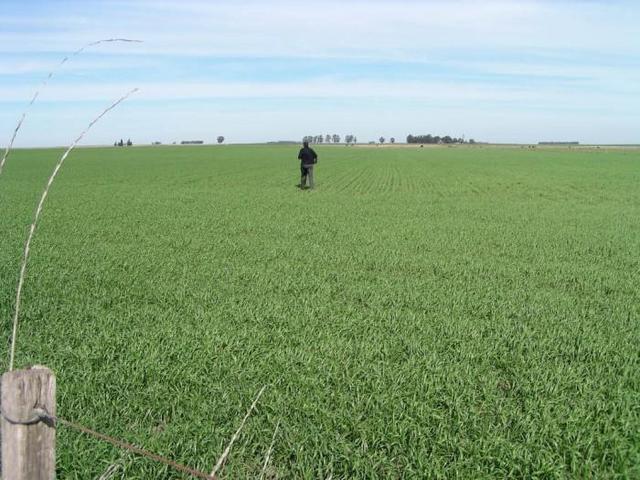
(424, 313)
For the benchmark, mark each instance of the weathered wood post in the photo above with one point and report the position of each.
(28, 437)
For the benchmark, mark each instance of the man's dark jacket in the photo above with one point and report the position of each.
(307, 156)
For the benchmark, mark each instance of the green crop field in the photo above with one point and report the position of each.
(424, 313)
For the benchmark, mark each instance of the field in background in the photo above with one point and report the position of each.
(444, 312)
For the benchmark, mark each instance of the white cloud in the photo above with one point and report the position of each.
(43, 67)
(327, 88)
(340, 28)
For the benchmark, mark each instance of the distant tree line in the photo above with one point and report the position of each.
(122, 144)
(436, 139)
(335, 138)
(352, 139)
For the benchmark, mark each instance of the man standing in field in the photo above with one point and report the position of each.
(308, 158)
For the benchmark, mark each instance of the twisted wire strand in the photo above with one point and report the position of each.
(129, 447)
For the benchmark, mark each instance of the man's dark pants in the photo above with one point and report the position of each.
(306, 172)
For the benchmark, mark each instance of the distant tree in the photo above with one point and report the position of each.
(355, 139)
(434, 139)
(121, 143)
(472, 141)
(381, 139)
(348, 139)
(392, 140)
(336, 138)
(327, 139)
(220, 139)
(129, 142)
(320, 139)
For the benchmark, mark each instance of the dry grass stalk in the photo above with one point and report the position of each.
(268, 457)
(225, 454)
(110, 472)
(27, 245)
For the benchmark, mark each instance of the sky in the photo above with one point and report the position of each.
(253, 71)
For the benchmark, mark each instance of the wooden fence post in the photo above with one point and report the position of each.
(28, 440)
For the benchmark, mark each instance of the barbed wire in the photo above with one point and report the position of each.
(54, 420)
(41, 415)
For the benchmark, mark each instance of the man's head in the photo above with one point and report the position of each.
(305, 144)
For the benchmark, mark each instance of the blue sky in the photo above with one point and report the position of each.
(502, 71)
